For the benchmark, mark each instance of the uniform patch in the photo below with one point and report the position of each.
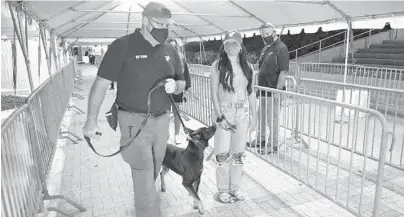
(141, 56)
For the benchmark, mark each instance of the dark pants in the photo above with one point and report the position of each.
(91, 59)
(145, 158)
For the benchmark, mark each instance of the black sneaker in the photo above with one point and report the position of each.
(254, 144)
(262, 150)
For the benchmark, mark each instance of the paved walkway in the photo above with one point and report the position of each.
(104, 186)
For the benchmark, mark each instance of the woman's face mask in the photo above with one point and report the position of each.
(232, 48)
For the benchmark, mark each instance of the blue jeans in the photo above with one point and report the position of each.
(230, 147)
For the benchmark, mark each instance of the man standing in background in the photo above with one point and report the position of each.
(273, 66)
(97, 54)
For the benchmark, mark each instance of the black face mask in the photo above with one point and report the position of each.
(268, 40)
(160, 35)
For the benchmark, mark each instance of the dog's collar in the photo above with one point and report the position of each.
(196, 142)
(189, 138)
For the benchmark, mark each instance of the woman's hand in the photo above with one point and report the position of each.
(224, 124)
(227, 126)
(253, 122)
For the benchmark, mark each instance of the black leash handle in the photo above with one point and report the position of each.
(88, 139)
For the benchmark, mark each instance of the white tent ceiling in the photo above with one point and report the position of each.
(194, 19)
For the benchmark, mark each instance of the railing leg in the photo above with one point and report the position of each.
(75, 107)
(54, 209)
(70, 133)
(210, 155)
(67, 137)
(68, 200)
(78, 88)
(77, 96)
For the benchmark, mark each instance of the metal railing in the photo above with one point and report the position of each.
(199, 69)
(331, 170)
(200, 107)
(319, 45)
(20, 181)
(29, 139)
(390, 102)
(356, 74)
(307, 155)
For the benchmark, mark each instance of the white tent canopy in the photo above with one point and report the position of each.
(207, 19)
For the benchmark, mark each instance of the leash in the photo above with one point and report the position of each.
(178, 113)
(143, 124)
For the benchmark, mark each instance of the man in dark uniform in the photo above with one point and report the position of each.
(273, 67)
(136, 62)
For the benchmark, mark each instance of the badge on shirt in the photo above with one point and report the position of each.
(141, 56)
(167, 58)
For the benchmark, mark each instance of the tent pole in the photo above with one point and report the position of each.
(22, 44)
(200, 51)
(204, 52)
(75, 28)
(83, 15)
(127, 24)
(349, 22)
(45, 46)
(347, 49)
(203, 18)
(14, 54)
(39, 59)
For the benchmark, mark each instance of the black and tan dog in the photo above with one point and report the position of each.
(188, 162)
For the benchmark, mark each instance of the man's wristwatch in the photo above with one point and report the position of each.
(220, 119)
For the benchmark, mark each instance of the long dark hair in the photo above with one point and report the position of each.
(226, 72)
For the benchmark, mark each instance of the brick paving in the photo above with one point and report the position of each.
(104, 185)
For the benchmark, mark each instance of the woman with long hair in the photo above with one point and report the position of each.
(231, 88)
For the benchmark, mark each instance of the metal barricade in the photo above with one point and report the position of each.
(199, 69)
(390, 102)
(29, 139)
(290, 82)
(199, 107)
(356, 74)
(20, 181)
(304, 128)
(336, 171)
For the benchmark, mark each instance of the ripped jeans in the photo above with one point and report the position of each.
(229, 150)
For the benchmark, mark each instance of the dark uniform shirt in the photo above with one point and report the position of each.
(273, 60)
(137, 66)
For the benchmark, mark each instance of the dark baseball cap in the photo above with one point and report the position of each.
(233, 36)
(156, 10)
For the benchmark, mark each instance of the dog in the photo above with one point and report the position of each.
(188, 162)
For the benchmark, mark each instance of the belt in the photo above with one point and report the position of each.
(236, 105)
(152, 114)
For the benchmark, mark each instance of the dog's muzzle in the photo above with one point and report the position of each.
(211, 131)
